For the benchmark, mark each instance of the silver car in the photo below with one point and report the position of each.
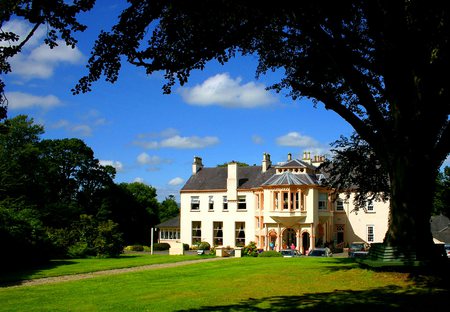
(320, 252)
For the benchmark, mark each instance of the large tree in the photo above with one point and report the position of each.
(381, 65)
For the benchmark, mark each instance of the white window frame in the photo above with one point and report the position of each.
(339, 205)
(195, 203)
(370, 207)
(225, 204)
(211, 203)
(242, 202)
(370, 233)
(199, 229)
(324, 206)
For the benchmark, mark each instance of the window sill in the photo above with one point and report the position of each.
(241, 210)
(195, 210)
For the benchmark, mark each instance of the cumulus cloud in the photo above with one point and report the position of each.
(222, 90)
(20, 100)
(113, 163)
(296, 139)
(176, 181)
(171, 139)
(36, 59)
(138, 179)
(146, 159)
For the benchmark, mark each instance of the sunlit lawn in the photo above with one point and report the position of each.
(74, 266)
(244, 284)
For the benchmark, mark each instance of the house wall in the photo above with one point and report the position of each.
(356, 222)
(207, 217)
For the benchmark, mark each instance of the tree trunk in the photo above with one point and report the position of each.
(412, 179)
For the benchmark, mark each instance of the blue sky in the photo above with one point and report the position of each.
(222, 114)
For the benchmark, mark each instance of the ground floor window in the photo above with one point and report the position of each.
(218, 233)
(240, 234)
(169, 234)
(196, 232)
(370, 233)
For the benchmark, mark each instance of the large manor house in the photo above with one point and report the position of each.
(276, 206)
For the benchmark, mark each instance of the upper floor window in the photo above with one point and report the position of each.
(323, 200)
(225, 203)
(195, 203)
(242, 203)
(339, 205)
(370, 207)
(211, 203)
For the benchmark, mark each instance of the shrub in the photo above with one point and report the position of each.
(204, 246)
(161, 246)
(135, 248)
(109, 240)
(79, 250)
(146, 248)
(212, 251)
(186, 246)
(251, 250)
(270, 253)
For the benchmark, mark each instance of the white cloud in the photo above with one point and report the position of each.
(176, 181)
(22, 29)
(189, 142)
(171, 139)
(146, 159)
(20, 100)
(257, 139)
(307, 143)
(222, 90)
(113, 163)
(37, 60)
(139, 180)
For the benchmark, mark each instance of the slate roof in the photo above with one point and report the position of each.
(216, 178)
(171, 223)
(289, 178)
(296, 163)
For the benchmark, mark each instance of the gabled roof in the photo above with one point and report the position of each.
(289, 178)
(216, 178)
(296, 163)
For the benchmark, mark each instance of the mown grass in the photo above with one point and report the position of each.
(243, 284)
(77, 266)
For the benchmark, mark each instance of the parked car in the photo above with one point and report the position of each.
(289, 253)
(320, 252)
(447, 250)
(357, 249)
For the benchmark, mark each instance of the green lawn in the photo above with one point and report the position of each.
(74, 266)
(242, 284)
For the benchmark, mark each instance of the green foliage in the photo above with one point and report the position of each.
(240, 164)
(270, 253)
(186, 246)
(161, 246)
(79, 250)
(134, 248)
(204, 246)
(168, 209)
(441, 203)
(251, 250)
(108, 242)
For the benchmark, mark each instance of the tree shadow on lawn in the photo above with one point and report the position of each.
(14, 276)
(386, 299)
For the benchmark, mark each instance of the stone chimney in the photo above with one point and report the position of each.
(289, 157)
(266, 163)
(197, 165)
(232, 181)
(318, 160)
(307, 157)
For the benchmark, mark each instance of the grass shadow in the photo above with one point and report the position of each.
(14, 276)
(386, 299)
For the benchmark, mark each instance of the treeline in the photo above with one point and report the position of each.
(56, 200)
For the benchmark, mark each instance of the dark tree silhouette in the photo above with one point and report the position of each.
(381, 65)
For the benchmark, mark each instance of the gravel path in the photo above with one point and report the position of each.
(75, 277)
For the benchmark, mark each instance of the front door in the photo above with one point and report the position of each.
(289, 239)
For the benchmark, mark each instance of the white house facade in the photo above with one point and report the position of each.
(277, 206)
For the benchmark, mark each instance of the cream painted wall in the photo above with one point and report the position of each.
(207, 218)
